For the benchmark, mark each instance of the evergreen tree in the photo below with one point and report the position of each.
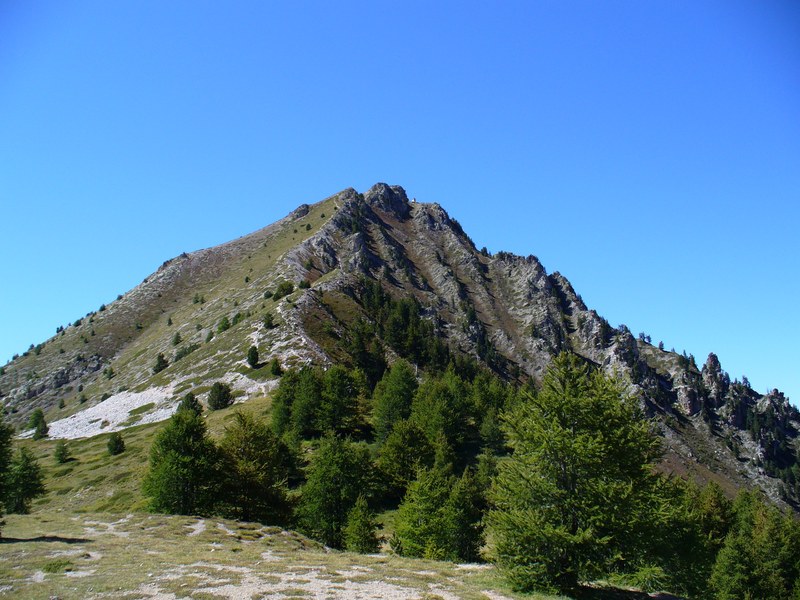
(360, 531)
(38, 424)
(338, 407)
(24, 482)
(6, 436)
(257, 470)
(161, 363)
(337, 476)
(220, 396)
(184, 475)
(306, 403)
(438, 518)
(579, 485)
(189, 402)
(115, 445)
(392, 398)
(252, 357)
(176, 339)
(440, 406)
(61, 453)
(404, 452)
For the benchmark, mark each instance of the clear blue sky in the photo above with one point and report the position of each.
(650, 151)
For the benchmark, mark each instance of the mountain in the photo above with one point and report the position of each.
(359, 266)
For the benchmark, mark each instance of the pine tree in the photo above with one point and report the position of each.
(38, 424)
(403, 453)
(337, 476)
(6, 436)
(257, 471)
(24, 482)
(115, 445)
(189, 402)
(392, 398)
(161, 363)
(61, 453)
(360, 531)
(579, 484)
(220, 396)
(252, 357)
(338, 407)
(185, 467)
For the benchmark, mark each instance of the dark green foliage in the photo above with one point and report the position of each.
(759, 556)
(338, 408)
(404, 452)
(161, 363)
(189, 402)
(115, 445)
(61, 403)
(579, 486)
(220, 396)
(284, 289)
(237, 318)
(366, 351)
(185, 467)
(187, 350)
(38, 423)
(176, 339)
(308, 226)
(440, 406)
(169, 321)
(61, 453)
(360, 531)
(269, 321)
(223, 325)
(6, 436)
(257, 470)
(439, 518)
(275, 367)
(24, 482)
(305, 284)
(338, 475)
(210, 336)
(252, 357)
(392, 398)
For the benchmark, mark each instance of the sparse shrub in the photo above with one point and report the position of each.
(284, 289)
(305, 284)
(60, 403)
(109, 373)
(82, 399)
(224, 325)
(269, 321)
(161, 363)
(116, 445)
(185, 351)
(308, 264)
(252, 357)
(237, 318)
(61, 453)
(220, 396)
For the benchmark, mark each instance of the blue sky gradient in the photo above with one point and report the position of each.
(649, 151)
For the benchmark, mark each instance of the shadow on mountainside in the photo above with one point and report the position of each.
(45, 538)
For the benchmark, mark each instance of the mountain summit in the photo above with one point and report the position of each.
(312, 289)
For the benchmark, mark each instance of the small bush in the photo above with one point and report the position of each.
(308, 226)
(190, 402)
(176, 339)
(220, 396)
(185, 351)
(224, 325)
(269, 321)
(275, 367)
(305, 284)
(116, 445)
(284, 289)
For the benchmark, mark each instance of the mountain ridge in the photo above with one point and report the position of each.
(502, 310)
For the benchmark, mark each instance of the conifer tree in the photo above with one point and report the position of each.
(338, 474)
(38, 424)
(185, 473)
(6, 435)
(24, 482)
(338, 407)
(256, 471)
(220, 396)
(161, 363)
(360, 531)
(115, 444)
(392, 398)
(578, 486)
(404, 452)
(61, 453)
(252, 357)
(189, 402)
